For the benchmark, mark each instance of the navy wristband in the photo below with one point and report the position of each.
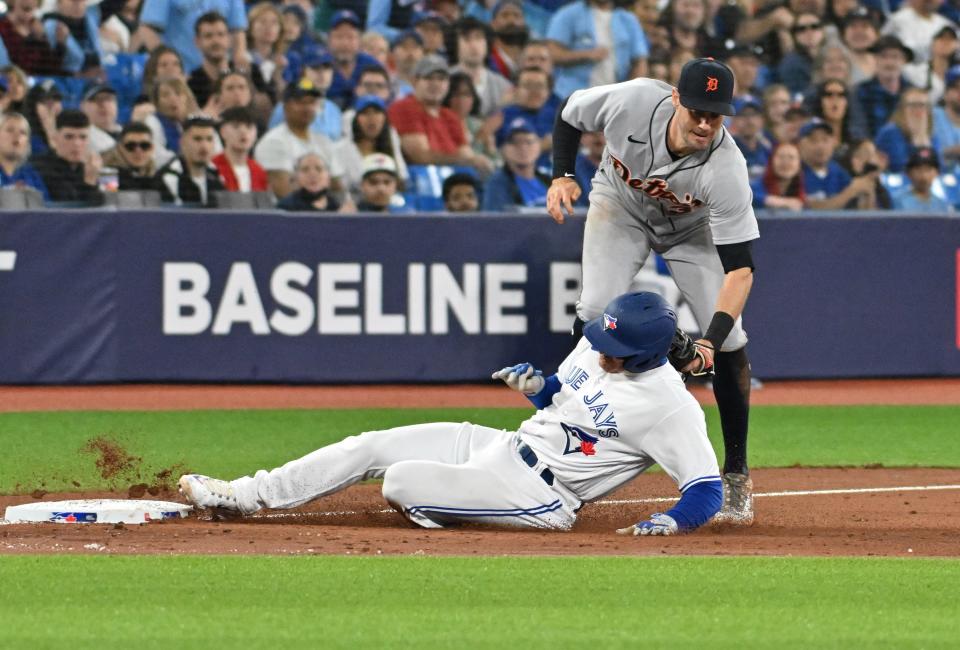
(720, 326)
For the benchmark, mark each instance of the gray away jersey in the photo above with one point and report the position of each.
(670, 197)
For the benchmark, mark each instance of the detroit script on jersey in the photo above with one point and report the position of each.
(657, 188)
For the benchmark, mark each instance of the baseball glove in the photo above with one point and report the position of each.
(683, 350)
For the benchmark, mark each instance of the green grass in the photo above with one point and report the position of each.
(42, 449)
(503, 603)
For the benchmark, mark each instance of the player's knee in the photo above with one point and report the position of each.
(398, 485)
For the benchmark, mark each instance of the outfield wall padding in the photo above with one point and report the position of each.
(188, 296)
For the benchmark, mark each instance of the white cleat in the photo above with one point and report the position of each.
(206, 492)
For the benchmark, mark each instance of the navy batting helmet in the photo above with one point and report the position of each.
(636, 327)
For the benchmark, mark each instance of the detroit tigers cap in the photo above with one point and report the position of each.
(706, 85)
(345, 16)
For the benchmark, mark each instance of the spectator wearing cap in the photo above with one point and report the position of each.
(946, 120)
(915, 25)
(292, 139)
(15, 171)
(80, 20)
(533, 100)
(517, 184)
(369, 133)
(592, 146)
(472, 45)
(431, 134)
(191, 178)
(405, 51)
(100, 105)
(594, 43)
(171, 23)
(328, 121)
(510, 36)
(24, 41)
(132, 157)
(860, 31)
(910, 127)
(878, 95)
(344, 43)
(930, 75)
(41, 106)
(374, 81)
(312, 188)
(747, 129)
(461, 193)
(923, 168)
(796, 69)
(70, 170)
(828, 186)
(780, 187)
(432, 28)
(238, 171)
(378, 184)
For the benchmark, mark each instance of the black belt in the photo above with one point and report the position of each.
(530, 458)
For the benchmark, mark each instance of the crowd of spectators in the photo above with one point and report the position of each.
(417, 105)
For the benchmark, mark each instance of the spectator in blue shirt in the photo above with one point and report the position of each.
(592, 145)
(946, 120)
(827, 185)
(910, 127)
(747, 128)
(15, 171)
(171, 22)
(922, 169)
(82, 46)
(348, 60)
(878, 95)
(585, 56)
(517, 184)
(532, 101)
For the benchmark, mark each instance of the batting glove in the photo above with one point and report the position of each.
(658, 524)
(522, 377)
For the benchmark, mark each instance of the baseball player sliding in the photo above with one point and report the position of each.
(614, 409)
(671, 180)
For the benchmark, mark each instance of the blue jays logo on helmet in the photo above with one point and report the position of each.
(636, 327)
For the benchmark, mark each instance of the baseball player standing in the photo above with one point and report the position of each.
(614, 409)
(672, 181)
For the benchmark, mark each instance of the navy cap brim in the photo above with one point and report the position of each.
(698, 104)
(604, 342)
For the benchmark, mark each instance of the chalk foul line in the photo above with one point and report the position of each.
(619, 502)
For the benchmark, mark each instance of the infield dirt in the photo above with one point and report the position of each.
(357, 521)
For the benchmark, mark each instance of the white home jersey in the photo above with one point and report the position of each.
(603, 429)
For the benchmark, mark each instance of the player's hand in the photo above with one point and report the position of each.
(658, 524)
(522, 377)
(563, 193)
(704, 361)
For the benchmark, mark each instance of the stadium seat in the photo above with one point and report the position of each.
(133, 199)
(20, 198)
(425, 191)
(244, 200)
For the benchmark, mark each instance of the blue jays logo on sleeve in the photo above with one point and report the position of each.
(609, 322)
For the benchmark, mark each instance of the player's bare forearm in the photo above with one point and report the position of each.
(733, 294)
